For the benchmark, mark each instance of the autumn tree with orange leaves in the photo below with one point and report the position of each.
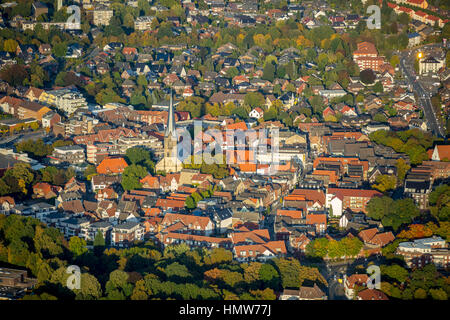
(416, 231)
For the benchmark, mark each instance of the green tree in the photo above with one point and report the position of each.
(89, 172)
(60, 49)
(132, 175)
(438, 294)
(395, 60)
(395, 272)
(232, 72)
(266, 294)
(22, 176)
(269, 71)
(317, 104)
(140, 291)
(218, 256)
(290, 270)
(178, 270)
(378, 207)
(367, 76)
(190, 203)
(402, 211)
(232, 278)
(10, 45)
(118, 287)
(378, 87)
(269, 275)
(99, 243)
(15, 74)
(35, 148)
(254, 99)
(402, 169)
(90, 288)
(317, 248)
(241, 112)
(252, 272)
(77, 246)
(385, 183)
(420, 294)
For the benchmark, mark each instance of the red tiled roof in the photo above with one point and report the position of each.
(294, 197)
(311, 195)
(372, 294)
(170, 203)
(353, 192)
(316, 219)
(8, 199)
(415, 2)
(294, 214)
(275, 247)
(420, 13)
(383, 239)
(367, 234)
(356, 279)
(365, 48)
(150, 181)
(256, 236)
(112, 165)
(36, 92)
(199, 238)
(194, 221)
(443, 151)
(237, 126)
(43, 186)
(152, 212)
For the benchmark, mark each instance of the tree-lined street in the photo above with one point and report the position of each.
(407, 66)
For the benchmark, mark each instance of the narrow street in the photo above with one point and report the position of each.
(332, 273)
(407, 67)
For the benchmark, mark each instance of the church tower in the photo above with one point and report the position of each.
(170, 161)
(170, 136)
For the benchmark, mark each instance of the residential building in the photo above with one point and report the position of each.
(353, 281)
(143, 23)
(125, 234)
(102, 15)
(66, 100)
(70, 154)
(90, 231)
(353, 199)
(14, 283)
(73, 226)
(430, 65)
(420, 252)
(418, 186)
(304, 293)
(366, 56)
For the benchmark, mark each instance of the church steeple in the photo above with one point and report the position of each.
(170, 161)
(170, 129)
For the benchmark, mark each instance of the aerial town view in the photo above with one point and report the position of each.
(224, 150)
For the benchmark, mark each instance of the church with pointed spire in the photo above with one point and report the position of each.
(170, 162)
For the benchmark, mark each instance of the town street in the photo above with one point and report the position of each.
(407, 67)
